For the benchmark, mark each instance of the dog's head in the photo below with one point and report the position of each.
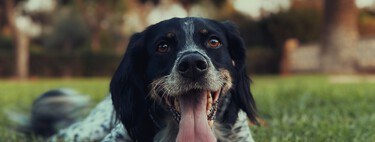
(182, 69)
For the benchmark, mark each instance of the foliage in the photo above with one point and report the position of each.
(5, 44)
(84, 64)
(261, 60)
(265, 37)
(299, 108)
(68, 32)
(303, 24)
(274, 29)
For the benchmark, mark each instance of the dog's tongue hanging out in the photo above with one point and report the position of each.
(194, 124)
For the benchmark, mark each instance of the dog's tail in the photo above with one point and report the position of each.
(52, 111)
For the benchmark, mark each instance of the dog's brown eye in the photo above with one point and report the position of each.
(214, 42)
(163, 47)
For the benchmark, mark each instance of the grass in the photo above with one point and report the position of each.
(299, 108)
(310, 108)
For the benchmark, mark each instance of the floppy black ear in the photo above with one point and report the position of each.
(241, 94)
(129, 91)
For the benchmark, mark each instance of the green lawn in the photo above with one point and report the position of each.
(310, 108)
(300, 108)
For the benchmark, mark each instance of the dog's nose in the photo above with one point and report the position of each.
(192, 66)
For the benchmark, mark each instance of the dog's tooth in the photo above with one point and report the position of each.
(209, 102)
(208, 93)
(211, 123)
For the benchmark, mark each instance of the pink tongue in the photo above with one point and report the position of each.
(194, 125)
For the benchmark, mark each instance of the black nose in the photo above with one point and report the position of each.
(192, 66)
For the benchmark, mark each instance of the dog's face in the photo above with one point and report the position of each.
(184, 66)
(189, 71)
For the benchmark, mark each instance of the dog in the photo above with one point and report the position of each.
(182, 79)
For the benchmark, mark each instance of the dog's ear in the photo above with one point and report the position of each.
(129, 91)
(241, 94)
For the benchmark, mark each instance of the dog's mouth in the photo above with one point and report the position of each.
(210, 101)
(195, 112)
(192, 104)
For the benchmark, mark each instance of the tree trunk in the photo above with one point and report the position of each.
(339, 36)
(21, 42)
(22, 56)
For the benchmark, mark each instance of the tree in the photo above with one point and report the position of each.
(21, 41)
(339, 36)
(96, 13)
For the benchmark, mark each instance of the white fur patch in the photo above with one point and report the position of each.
(188, 28)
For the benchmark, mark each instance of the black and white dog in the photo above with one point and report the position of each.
(182, 79)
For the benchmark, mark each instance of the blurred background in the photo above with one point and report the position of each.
(87, 38)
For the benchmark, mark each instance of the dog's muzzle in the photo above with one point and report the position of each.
(192, 92)
(194, 66)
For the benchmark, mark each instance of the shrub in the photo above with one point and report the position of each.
(262, 60)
